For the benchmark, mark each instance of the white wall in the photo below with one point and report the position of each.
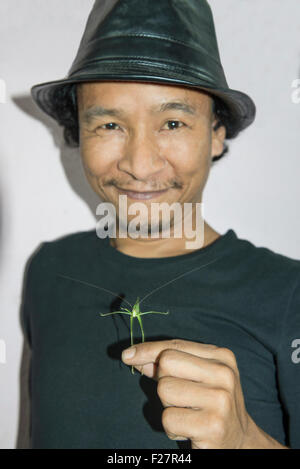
(253, 190)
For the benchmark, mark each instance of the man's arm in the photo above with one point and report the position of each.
(288, 364)
(24, 437)
(29, 286)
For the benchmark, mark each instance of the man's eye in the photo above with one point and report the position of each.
(173, 125)
(109, 126)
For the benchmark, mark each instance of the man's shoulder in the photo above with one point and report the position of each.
(267, 262)
(69, 248)
(72, 240)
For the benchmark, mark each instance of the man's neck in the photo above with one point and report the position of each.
(160, 247)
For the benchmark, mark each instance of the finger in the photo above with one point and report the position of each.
(203, 370)
(148, 370)
(199, 426)
(179, 392)
(148, 352)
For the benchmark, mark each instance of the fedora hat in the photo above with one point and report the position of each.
(157, 41)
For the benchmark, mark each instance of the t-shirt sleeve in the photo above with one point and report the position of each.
(288, 366)
(29, 282)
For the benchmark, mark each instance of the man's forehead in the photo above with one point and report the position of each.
(95, 96)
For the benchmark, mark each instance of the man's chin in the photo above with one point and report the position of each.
(143, 229)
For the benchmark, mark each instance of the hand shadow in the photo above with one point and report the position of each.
(69, 157)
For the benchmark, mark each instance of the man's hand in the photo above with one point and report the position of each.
(199, 386)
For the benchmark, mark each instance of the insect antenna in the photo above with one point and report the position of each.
(176, 278)
(94, 286)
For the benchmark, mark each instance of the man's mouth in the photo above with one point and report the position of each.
(137, 195)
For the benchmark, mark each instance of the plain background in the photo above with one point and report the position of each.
(254, 189)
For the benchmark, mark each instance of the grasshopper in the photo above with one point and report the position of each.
(134, 313)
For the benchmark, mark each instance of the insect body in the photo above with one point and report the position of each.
(134, 313)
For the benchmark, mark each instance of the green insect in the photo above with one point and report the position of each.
(134, 313)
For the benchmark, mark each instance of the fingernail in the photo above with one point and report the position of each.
(128, 353)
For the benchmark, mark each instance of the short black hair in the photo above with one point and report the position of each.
(66, 114)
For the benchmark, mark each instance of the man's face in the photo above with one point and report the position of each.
(147, 137)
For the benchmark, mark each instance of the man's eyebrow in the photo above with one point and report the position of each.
(177, 106)
(99, 111)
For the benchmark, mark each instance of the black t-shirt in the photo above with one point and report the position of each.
(230, 293)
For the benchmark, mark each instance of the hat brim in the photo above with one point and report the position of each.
(241, 108)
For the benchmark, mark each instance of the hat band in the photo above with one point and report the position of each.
(126, 53)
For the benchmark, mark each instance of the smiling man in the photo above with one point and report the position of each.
(148, 104)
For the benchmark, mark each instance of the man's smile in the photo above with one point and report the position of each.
(141, 195)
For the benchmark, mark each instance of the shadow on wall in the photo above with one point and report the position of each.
(70, 157)
(71, 162)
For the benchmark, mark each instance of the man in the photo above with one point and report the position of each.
(148, 103)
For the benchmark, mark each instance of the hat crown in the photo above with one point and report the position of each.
(188, 22)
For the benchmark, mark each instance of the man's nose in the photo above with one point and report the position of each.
(141, 158)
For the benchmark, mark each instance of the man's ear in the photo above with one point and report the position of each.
(217, 138)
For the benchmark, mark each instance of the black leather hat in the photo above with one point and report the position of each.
(159, 41)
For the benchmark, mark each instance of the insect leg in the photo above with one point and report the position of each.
(131, 337)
